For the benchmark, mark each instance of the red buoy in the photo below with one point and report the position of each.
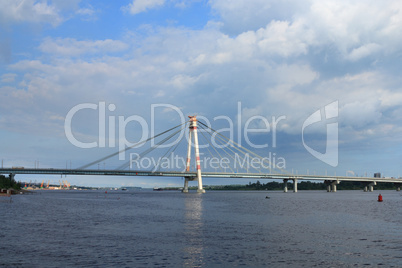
(379, 198)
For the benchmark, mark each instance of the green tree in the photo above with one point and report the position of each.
(6, 183)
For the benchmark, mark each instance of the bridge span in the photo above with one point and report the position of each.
(331, 181)
(192, 141)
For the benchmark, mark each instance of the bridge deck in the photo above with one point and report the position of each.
(103, 172)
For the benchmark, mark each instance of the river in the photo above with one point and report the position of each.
(216, 229)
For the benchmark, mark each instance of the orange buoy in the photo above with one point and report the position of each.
(379, 198)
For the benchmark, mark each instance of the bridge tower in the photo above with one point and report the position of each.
(193, 134)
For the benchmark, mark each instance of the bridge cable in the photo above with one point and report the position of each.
(249, 151)
(233, 158)
(245, 151)
(127, 164)
(130, 147)
(228, 147)
(239, 150)
(214, 149)
(211, 146)
(173, 149)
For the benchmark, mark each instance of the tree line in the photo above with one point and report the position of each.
(7, 183)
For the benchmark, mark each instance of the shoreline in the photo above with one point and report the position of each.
(10, 192)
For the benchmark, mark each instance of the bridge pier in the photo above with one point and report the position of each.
(369, 186)
(331, 185)
(285, 185)
(11, 176)
(398, 186)
(186, 180)
(185, 188)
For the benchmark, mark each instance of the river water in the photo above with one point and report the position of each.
(216, 229)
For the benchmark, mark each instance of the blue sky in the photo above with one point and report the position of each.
(277, 58)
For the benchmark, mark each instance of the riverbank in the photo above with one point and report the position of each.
(9, 192)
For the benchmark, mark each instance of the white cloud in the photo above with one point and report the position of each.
(138, 6)
(242, 16)
(289, 27)
(171, 62)
(8, 78)
(356, 34)
(87, 13)
(390, 98)
(364, 51)
(12, 11)
(362, 113)
(283, 39)
(290, 63)
(183, 81)
(73, 47)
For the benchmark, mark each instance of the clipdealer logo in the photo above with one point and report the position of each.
(108, 125)
(328, 113)
(112, 128)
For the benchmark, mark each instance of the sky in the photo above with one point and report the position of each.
(263, 72)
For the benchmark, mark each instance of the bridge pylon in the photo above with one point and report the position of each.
(193, 134)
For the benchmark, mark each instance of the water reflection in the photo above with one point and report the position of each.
(193, 231)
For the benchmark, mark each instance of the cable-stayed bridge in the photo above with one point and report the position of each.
(219, 148)
(331, 181)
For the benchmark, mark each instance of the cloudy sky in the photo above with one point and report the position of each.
(160, 59)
